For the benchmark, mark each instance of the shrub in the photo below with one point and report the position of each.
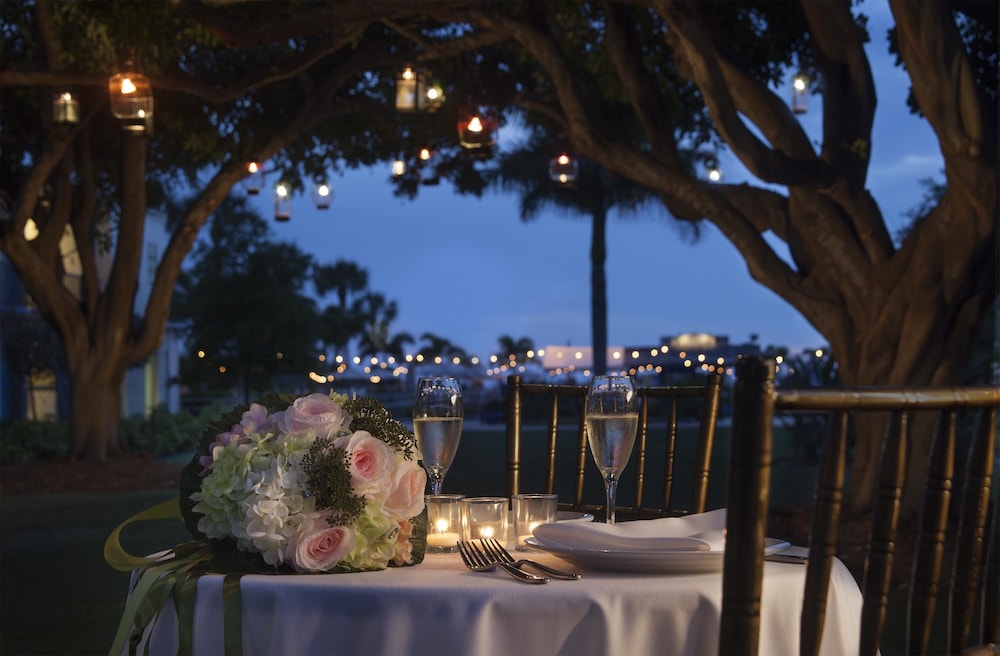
(24, 441)
(159, 434)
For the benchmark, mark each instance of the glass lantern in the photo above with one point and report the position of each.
(132, 100)
(65, 109)
(563, 170)
(282, 203)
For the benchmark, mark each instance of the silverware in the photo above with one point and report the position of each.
(476, 561)
(787, 558)
(500, 554)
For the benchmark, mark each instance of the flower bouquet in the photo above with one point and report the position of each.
(314, 484)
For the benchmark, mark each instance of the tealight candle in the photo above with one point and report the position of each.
(444, 519)
(484, 518)
(531, 510)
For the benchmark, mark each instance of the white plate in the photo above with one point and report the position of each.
(567, 516)
(662, 562)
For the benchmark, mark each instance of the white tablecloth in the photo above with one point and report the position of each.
(439, 607)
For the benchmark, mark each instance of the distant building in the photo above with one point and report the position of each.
(44, 394)
(672, 358)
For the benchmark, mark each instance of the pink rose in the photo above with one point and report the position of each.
(372, 462)
(318, 547)
(315, 412)
(406, 498)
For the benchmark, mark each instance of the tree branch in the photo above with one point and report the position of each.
(729, 91)
(641, 88)
(943, 80)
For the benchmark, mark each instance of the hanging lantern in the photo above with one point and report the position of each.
(477, 127)
(433, 97)
(712, 170)
(282, 203)
(254, 181)
(800, 94)
(428, 160)
(65, 109)
(415, 94)
(132, 100)
(409, 86)
(563, 170)
(322, 195)
(398, 168)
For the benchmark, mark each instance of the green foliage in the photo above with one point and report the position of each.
(370, 415)
(162, 432)
(328, 469)
(25, 441)
(243, 303)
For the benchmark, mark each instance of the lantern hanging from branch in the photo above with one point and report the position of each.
(800, 94)
(65, 109)
(132, 100)
(428, 159)
(254, 181)
(282, 202)
(322, 195)
(477, 128)
(712, 170)
(563, 170)
(398, 167)
(415, 94)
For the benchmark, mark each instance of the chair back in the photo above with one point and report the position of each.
(974, 571)
(658, 405)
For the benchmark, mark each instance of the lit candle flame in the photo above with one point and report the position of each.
(486, 532)
(441, 525)
(475, 125)
(127, 86)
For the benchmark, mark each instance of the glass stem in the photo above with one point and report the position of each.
(611, 487)
(436, 481)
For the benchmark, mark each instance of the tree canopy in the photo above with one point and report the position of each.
(642, 88)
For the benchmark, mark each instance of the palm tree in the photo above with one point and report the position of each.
(343, 277)
(595, 194)
(516, 348)
(435, 345)
(340, 322)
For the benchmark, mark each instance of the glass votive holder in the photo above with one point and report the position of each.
(529, 511)
(484, 517)
(444, 522)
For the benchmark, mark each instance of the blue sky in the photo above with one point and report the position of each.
(470, 270)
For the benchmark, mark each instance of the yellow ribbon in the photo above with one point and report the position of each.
(115, 554)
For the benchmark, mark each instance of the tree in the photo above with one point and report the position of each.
(596, 195)
(515, 348)
(636, 87)
(243, 308)
(341, 322)
(305, 92)
(893, 313)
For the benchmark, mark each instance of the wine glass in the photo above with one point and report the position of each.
(437, 424)
(612, 413)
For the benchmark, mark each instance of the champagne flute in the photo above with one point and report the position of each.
(612, 413)
(437, 425)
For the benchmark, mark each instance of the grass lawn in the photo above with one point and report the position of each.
(60, 597)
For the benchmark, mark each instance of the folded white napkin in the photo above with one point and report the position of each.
(700, 532)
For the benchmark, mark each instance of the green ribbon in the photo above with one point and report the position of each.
(171, 573)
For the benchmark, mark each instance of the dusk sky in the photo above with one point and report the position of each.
(470, 270)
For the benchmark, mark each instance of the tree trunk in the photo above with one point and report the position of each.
(599, 290)
(95, 408)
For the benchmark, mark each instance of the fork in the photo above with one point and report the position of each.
(500, 554)
(476, 561)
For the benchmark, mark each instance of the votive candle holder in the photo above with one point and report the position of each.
(485, 517)
(444, 522)
(529, 511)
